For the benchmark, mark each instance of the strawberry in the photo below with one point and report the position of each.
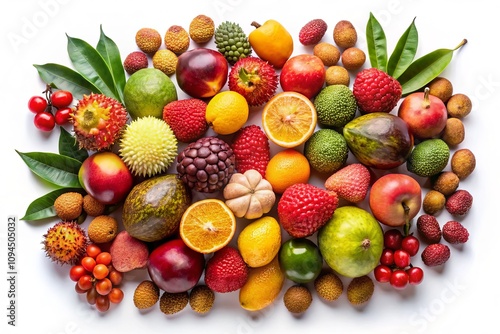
(186, 118)
(350, 183)
(251, 149)
(226, 271)
(376, 91)
(303, 209)
(455, 233)
(435, 255)
(312, 32)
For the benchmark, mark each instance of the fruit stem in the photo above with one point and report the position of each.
(427, 102)
(407, 220)
(462, 43)
(365, 244)
(255, 24)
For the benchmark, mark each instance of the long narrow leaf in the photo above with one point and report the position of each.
(57, 169)
(63, 77)
(377, 44)
(43, 207)
(426, 68)
(111, 55)
(404, 52)
(91, 65)
(68, 146)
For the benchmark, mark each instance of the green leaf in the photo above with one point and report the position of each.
(426, 68)
(377, 44)
(57, 169)
(404, 52)
(69, 147)
(63, 77)
(43, 207)
(111, 55)
(91, 65)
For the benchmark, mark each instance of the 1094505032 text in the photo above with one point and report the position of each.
(11, 270)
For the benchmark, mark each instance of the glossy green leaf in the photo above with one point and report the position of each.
(43, 207)
(426, 68)
(69, 147)
(111, 55)
(57, 169)
(404, 52)
(63, 77)
(377, 44)
(91, 65)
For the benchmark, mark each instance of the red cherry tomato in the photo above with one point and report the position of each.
(45, 121)
(37, 104)
(62, 116)
(61, 98)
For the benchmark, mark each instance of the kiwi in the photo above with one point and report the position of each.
(353, 58)
(441, 88)
(459, 106)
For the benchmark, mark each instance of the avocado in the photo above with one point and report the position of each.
(153, 209)
(429, 157)
(335, 106)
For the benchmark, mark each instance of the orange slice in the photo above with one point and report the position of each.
(207, 225)
(289, 119)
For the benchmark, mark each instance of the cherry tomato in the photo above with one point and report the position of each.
(103, 286)
(88, 263)
(61, 98)
(62, 116)
(85, 282)
(116, 295)
(45, 121)
(102, 303)
(37, 104)
(91, 296)
(115, 276)
(76, 272)
(100, 271)
(93, 250)
(104, 258)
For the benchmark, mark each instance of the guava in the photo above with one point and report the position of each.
(351, 242)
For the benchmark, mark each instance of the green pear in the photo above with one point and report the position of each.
(351, 242)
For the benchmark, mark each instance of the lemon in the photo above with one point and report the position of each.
(262, 287)
(260, 241)
(227, 112)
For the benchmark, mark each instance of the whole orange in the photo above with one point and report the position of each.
(287, 167)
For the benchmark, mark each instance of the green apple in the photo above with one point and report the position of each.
(351, 242)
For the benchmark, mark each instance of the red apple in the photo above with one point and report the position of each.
(201, 72)
(105, 176)
(425, 114)
(174, 267)
(303, 74)
(395, 199)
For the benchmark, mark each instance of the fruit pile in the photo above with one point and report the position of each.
(193, 178)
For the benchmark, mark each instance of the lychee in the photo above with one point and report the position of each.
(459, 203)
(429, 229)
(135, 61)
(455, 233)
(435, 255)
(312, 32)
(186, 118)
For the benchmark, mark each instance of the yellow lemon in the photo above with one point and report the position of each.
(227, 112)
(262, 287)
(259, 242)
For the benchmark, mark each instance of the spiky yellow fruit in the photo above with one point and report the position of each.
(148, 146)
(65, 242)
(98, 121)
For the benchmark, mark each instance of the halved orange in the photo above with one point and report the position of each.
(207, 225)
(289, 119)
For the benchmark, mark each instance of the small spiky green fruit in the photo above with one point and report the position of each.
(148, 146)
(232, 41)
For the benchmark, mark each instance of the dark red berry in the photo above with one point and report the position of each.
(410, 244)
(399, 279)
(401, 258)
(382, 273)
(37, 104)
(45, 121)
(393, 239)
(62, 116)
(61, 98)
(415, 275)
(387, 257)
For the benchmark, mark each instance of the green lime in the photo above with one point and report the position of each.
(300, 260)
(147, 91)
(326, 151)
(428, 158)
(335, 105)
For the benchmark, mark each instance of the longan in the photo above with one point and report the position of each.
(459, 106)
(337, 75)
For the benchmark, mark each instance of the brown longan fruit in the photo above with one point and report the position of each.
(454, 132)
(441, 88)
(463, 163)
(433, 202)
(344, 34)
(337, 75)
(297, 299)
(102, 229)
(327, 52)
(92, 206)
(353, 58)
(148, 40)
(459, 106)
(446, 183)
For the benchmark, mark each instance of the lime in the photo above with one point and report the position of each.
(300, 260)
(147, 91)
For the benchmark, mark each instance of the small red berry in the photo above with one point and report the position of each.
(61, 98)
(387, 257)
(410, 244)
(382, 273)
(399, 279)
(393, 239)
(37, 104)
(415, 275)
(401, 258)
(45, 121)
(62, 116)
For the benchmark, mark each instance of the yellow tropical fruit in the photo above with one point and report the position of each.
(227, 112)
(263, 286)
(289, 119)
(259, 242)
(207, 225)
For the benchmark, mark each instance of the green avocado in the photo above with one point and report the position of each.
(335, 106)
(153, 209)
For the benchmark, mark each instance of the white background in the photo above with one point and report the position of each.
(462, 295)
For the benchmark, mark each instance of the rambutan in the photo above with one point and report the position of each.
(253, 78)
(98, 121)
(65, 242)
